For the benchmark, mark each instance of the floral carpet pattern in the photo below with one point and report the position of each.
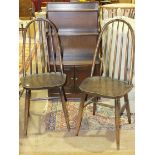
(53, 118)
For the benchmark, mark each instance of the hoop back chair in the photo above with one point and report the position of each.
(117, 67)
(40, 71)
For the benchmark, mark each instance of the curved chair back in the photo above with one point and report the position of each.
(41, 51)
(116, 50)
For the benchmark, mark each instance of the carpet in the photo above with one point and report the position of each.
(47, 132)
(53, 117)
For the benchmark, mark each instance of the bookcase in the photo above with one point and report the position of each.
(78, 29)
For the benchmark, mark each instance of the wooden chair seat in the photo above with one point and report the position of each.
(43, 81)
(105, 87)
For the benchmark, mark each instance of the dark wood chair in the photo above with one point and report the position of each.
(117, 63)
(39, 70)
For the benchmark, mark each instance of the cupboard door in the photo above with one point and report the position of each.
(81, 72)
(69, 85)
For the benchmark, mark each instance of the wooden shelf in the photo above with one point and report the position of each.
(69, 32)
(72, 6)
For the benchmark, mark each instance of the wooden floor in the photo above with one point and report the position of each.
(89, 142)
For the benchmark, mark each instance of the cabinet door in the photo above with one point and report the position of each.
(81, 72)
(69, 85)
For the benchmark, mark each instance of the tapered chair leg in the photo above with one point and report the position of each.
(27, 103)
(64, 94)
(94, 108)
(127, 108)
(64, 108)
(49, 93)
(94, 105)
(80, 114)
(117, 122)
(86, 97)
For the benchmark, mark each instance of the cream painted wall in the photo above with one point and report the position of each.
(133, 1)
(125, 1)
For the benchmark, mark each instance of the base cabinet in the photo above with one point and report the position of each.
(75, 75)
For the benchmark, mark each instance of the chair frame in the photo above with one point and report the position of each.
(118, 109)
(52, 30)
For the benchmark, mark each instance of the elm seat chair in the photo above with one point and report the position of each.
(115, 79)
(40, 72)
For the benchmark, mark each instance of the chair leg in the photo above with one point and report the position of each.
(86, 97)
(94, 108)
(80, 114)
(94, 105)
(64, 94)
(64, 108)
(49, 93)
(27, 103)
(117, 122)
(127, 108)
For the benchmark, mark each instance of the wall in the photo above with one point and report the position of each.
(125, 1)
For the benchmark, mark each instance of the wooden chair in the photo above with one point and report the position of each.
(41, 71)
(115, 80)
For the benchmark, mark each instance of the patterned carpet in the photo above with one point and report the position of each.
(53, 118)
(47, 132)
